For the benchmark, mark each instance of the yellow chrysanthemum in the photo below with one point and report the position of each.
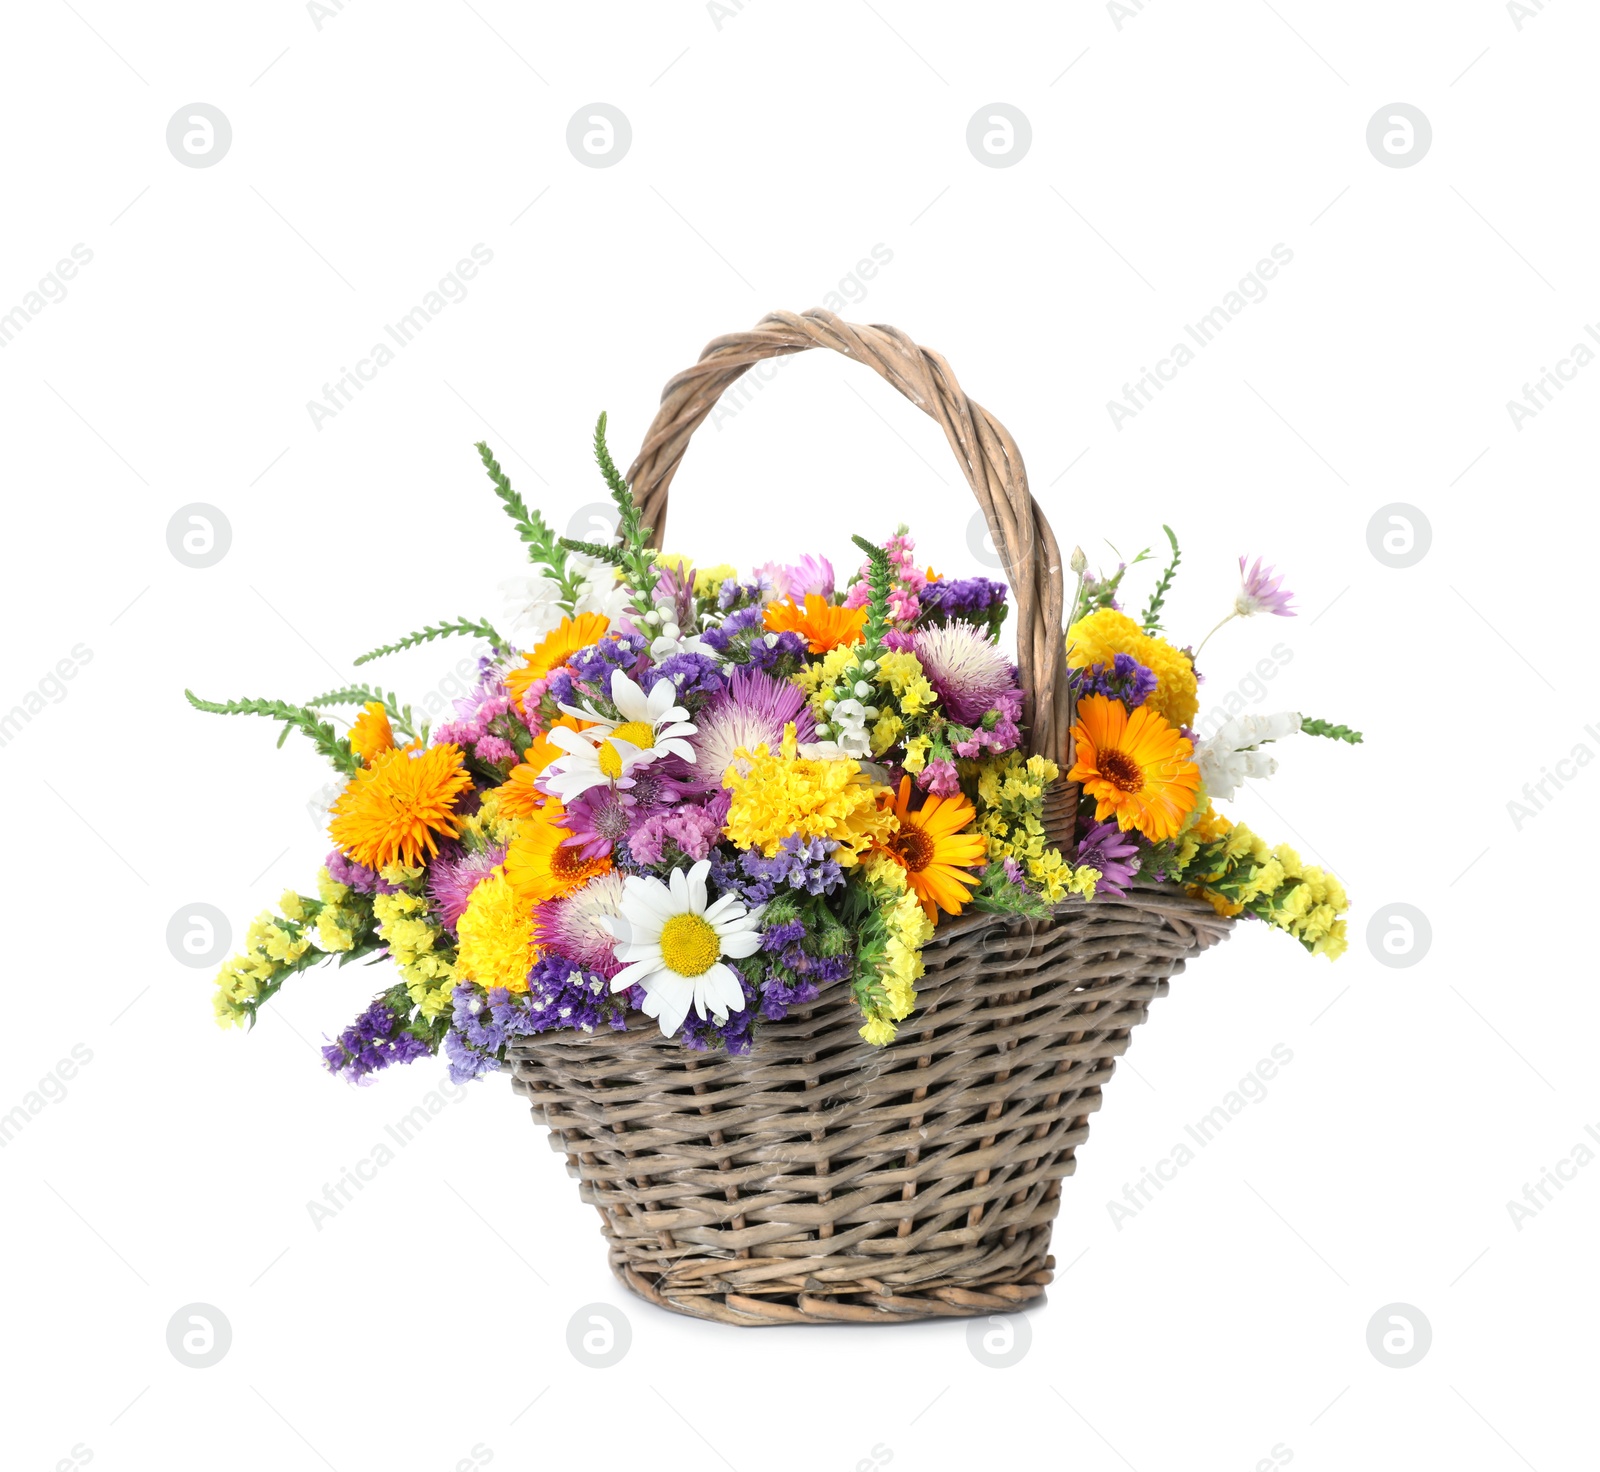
(496, 936)
(370, 732)
(1103, 635)
(782, 793)
(394, 808)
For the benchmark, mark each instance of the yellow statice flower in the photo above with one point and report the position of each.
(900, 966)
(268, 948)
(782, 793)
(331, 935)
(706, 580)
(901, 671)
(818, 679)
(418, 945)
(917, 753)
(496, 936)
(886, 732)
(1104, 634)
(290, 907)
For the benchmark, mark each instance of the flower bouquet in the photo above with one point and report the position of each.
(809, 922)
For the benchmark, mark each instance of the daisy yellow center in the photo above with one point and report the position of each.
(610, 760)
(1120, 770)
(689, 945)
(914, 848)
(639, 733)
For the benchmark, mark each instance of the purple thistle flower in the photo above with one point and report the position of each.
(967, 669)
(1106, 848)
(453, 876)
(1261, 590)
(754, 709)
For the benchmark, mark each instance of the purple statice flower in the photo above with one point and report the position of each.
(729, 876)
(733, 1032)
(357, 876)
(697, 677)
(1261, 590)
(690, 827)
(599, 820)
(560, 995)
(1105, 847)
(779, 936)
(965, 667)
(795, 579)
(374, 1041)
(771, 650)
(753, 710)
(452, 877)
(1124, 679)
(801, 863)
(976, 600)
(593, 664)
(741, 621)
(575, 926)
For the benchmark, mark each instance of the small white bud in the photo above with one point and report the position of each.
(827, 707)
(652, 617)
(862, 689)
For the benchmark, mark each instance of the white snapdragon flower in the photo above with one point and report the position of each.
(1231, 756)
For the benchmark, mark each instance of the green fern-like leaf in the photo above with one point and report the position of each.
(479, 628)
(399, 715)
(608, 468)
(295, 718)
(880, 581)
(1315, 727)
(1152, 612)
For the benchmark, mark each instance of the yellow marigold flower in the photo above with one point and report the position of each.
(783, 793)
(1104, 634)
(397, 807)
(496, 936)
(370, 732)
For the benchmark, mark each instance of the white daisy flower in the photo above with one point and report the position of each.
(654, 724)
(584, 763)
(672, 943)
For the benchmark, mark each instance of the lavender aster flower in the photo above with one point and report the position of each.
(599, 820)
(1106, 848)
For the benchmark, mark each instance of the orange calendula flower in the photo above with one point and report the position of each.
(519, 797)
(541, 865)
(393, 808)
(370, 732)
(934, 851)
(823, 625)
(1136, 767)
(555, 649)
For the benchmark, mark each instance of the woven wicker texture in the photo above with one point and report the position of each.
(987, 454)
(819, 1180)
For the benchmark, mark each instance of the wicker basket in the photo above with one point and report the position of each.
(820, 1180)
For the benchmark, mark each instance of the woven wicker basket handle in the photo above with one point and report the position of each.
(987, 454)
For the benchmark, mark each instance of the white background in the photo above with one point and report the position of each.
(773, 147)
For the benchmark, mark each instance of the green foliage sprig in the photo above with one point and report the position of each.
(1316, 727)
(295, 718)
(399, 715)
(880, 582)
(1152, 611)
(478, 628)
(634, 556)
(545, 548)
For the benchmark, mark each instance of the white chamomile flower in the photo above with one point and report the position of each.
(673, 943)
(584, 763)
(653, 724)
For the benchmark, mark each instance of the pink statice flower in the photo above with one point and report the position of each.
(909, 580)
(694, 829)
(940, 778)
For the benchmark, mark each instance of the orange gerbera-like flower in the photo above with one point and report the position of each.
(393, 808)
(519, 798)
(823, 625)
(934, 851)
(555, 649)
(541, 865)
(1136, 767)
(370, 732)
